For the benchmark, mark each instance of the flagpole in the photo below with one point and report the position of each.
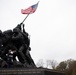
(25, 18)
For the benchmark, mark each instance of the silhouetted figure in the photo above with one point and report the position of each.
(10, 58)
(27, 53)
(18, 41)
(6, 42)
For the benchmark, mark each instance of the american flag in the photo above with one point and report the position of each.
(30, 9)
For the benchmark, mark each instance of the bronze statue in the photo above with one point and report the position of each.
(18, 42)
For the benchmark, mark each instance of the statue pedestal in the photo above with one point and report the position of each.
(28, 71)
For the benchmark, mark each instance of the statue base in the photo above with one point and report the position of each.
(28, 71)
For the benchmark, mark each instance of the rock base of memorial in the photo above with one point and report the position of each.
(28, 71)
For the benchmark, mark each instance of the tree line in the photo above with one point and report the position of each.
(67, 66)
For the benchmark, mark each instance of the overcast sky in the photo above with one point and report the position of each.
(52, 28)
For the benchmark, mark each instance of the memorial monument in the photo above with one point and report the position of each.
(15, 43)
(15, 58)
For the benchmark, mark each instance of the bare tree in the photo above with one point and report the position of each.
(40, 63)
(48, 63)
(51, 64)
